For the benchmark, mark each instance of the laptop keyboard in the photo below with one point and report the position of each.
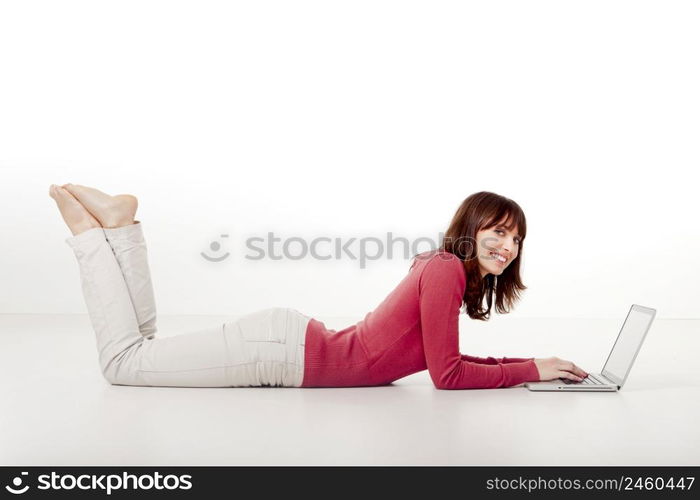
(590, 380)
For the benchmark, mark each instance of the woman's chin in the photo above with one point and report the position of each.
(497, 271)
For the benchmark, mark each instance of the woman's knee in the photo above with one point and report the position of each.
(122, 369)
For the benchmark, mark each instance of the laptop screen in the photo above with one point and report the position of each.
(629, 341)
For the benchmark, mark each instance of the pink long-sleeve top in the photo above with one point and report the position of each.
(416, 327)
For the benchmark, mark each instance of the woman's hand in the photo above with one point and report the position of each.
(553, 368)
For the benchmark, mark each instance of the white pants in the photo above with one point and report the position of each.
(263, 348)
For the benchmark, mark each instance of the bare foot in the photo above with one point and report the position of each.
(111, 211)
(74, 214)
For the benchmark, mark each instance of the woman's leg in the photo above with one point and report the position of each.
(129, 247)
(116, 214)
(261, 348)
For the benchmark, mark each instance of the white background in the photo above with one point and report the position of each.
(353, 119)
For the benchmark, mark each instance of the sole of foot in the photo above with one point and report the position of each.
(75, 215)
(111, 211)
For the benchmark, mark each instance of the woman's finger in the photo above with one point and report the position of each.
(570, 366)
(571, 376)
(580, 372)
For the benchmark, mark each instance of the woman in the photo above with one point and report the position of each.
(413, 329)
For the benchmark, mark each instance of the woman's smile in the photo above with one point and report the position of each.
(497, 261)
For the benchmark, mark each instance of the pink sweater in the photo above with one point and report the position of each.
(413, 329)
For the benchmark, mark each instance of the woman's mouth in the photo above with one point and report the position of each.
(498, 259)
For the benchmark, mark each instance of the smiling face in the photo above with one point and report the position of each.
(498, 240)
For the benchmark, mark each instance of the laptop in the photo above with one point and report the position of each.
(620, 360)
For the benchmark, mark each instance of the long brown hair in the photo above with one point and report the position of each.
(483, 210)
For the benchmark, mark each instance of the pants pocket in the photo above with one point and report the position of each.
(265, 325)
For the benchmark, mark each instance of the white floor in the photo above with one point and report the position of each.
(56, 409)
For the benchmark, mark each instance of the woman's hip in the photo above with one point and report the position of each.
(266, 347)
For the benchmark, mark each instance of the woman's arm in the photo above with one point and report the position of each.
(493, 361)
(440, 291)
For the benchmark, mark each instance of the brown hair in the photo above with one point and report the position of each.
(483, 210)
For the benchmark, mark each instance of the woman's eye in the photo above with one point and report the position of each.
(500, 231)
